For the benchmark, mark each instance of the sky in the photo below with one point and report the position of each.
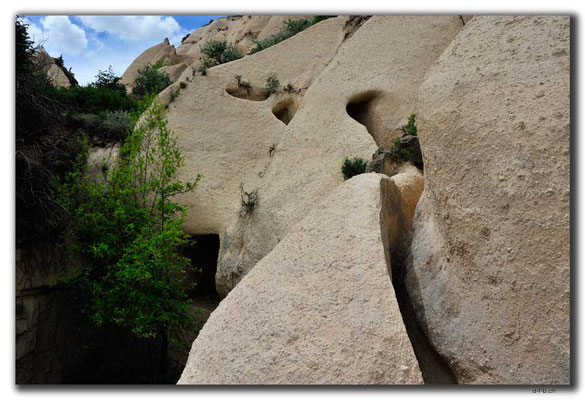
(89, 43)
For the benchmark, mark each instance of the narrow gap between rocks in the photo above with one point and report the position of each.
(397, 239)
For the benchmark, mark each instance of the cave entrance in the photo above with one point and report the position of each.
(285, 110)
(358, 108)
(202, 252)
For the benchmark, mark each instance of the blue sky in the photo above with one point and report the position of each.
(90, 43)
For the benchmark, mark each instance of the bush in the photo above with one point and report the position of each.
(291, 28)
(353, 167)
(407, 148)
(216, 52)
(107, 79)
(125, 234)
(114, 124)
(410, 127)
(94, 99)
(150, 80)
(272, 84)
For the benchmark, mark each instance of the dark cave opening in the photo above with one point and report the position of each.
(203, 252)
(358, 108)
(285, 110)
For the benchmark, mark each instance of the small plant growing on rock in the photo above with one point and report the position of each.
(183, 85)
(272, 84)
(288, 88)
(174, 95)
(248, 200)
(410, 127)
(242, 83)
(353, 167)
(202, 70)
(407, 148)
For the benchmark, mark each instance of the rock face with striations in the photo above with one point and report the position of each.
(320, 308)
(490, 258)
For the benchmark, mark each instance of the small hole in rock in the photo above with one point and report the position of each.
(359, 108)
(285, 110)
(251, 93)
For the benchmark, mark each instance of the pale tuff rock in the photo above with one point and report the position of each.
(491, 259)
(306, 163)
(240, 31)
(52, 70)
(228, 139)
(164, 52)
(320, 308)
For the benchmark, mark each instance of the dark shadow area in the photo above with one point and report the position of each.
(358, 108)
(202, 251)
(70, 349)
(285, 110)
(247, 93)
(397, 236)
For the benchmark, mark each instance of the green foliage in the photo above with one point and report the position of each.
(288, 88)
(291, 28)
(93, 98)
(407, 148)
(202, 70)
(107, 79)
(353, 167)
(248, 200)
(43, 149)
(410, 127)
(216, 52)
(272, 84)
(183, 85)
(125, 233)
(318, 18)
(185, 38)
(150, 80)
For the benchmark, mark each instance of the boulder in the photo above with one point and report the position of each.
(320, 308)
(489, 275)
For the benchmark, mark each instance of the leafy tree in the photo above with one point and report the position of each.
(150, 81)
(125, 232)
(107, 79)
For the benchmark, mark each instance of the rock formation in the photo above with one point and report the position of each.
(320, 308)
(490, 256)
(51, 69)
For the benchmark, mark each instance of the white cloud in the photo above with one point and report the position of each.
(134, 28)
(59, 35)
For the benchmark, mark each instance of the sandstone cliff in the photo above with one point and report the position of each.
(333, 282)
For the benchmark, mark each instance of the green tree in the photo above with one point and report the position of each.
(107, 79)
(125, 233)
(150, 81)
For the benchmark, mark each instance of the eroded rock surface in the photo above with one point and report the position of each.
(320, 308)
(306, 162)
(491, 260)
